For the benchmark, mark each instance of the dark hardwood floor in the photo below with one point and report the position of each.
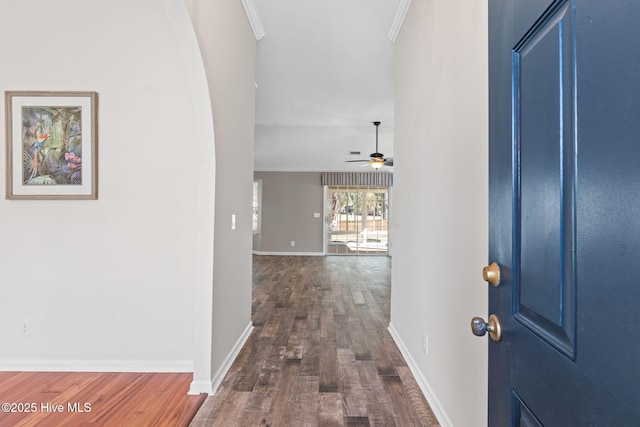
(320, 353)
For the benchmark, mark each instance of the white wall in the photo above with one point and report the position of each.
(107, 284)
(440, 203)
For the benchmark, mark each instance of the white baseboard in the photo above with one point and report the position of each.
(198, 387)
(37, 365)
(210, 387)
(436, 407)
(288, 253)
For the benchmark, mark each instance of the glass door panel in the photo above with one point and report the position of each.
(358, 220)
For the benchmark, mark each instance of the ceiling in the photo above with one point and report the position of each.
(324, 73)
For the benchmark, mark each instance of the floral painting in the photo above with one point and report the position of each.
(51, 145)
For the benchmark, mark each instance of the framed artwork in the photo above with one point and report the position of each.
(52, 145)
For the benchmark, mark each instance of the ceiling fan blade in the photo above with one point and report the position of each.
(352, 161)
(388, 161)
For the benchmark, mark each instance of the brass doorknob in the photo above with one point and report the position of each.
(491, 274)
(479, 327)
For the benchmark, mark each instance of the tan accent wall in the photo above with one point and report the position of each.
(289, 200)
(228, 48)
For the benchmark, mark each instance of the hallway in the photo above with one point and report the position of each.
(320, 353)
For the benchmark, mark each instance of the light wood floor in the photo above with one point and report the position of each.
(77, 399)
(320, 353)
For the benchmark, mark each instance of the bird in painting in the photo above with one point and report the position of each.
(39, 142)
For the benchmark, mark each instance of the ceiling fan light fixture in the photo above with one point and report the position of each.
(376, 162)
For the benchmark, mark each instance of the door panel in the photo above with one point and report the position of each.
(609, 222)
(543, 179)
(522, 415)
(564, 212)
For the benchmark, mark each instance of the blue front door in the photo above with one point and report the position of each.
(565, 212)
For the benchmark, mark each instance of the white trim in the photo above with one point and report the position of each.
(226, 365)
(69, 365)
(401, 14)
(288, 253)
(259, 202)
(325, 218)
(199, 387)
(434, 403)
(254, 19)
(390, 221)
(210, 387)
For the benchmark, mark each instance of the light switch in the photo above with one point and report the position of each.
(233, 221)
(316, 214)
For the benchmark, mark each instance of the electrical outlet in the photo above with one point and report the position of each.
(425, 343)
(293, 243)
(25, 328)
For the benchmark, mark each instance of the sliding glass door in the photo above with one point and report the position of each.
(357, 220)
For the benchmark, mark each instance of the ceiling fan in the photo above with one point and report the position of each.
(376, 160)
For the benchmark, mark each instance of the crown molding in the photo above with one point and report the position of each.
(254, 19)
(401, 14)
